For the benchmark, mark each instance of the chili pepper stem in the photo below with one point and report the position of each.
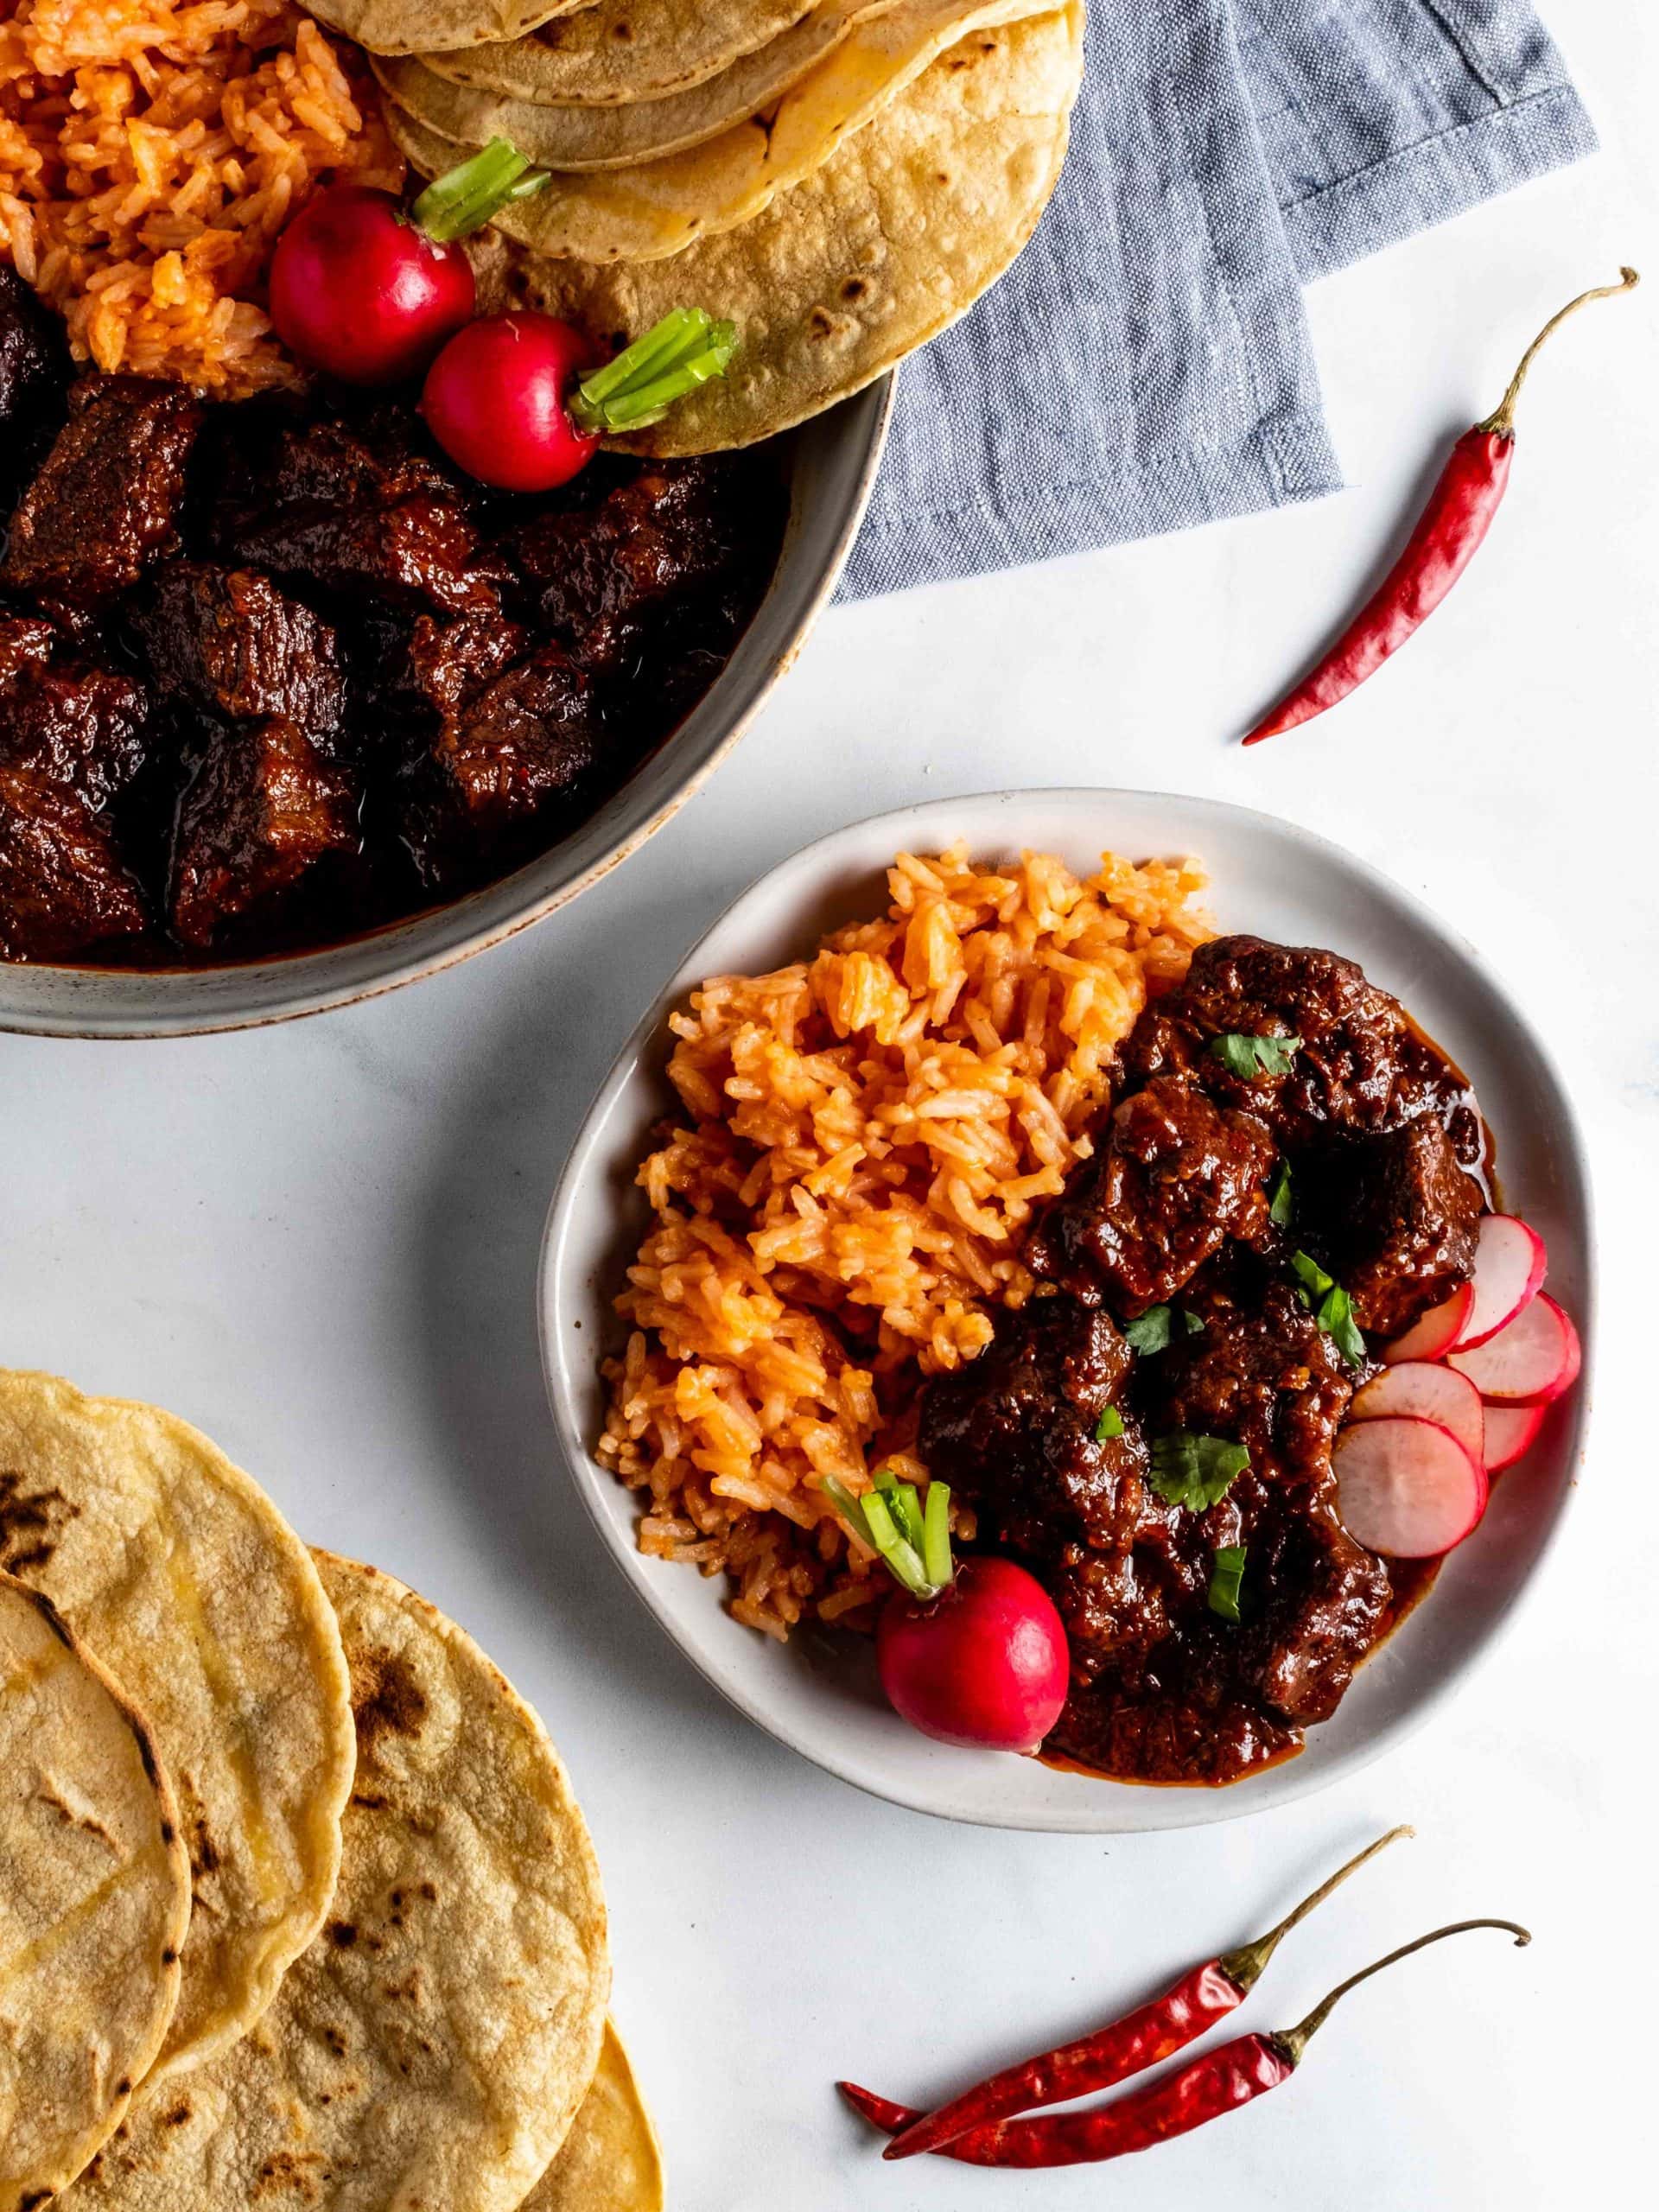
(1501, 422)
(1293, 2042)
(1246, 1965)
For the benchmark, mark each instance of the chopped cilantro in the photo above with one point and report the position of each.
(1278, 1197)
(1110, 1424)
(1331, 1306)
(1195, 1470)
(1191, 1323)
(1224, 1580)
(1249, 1057)
(1148, 1331)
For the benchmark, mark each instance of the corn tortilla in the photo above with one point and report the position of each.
(621, 50)
(611, 2160)
(404, 26)
(433, 2046)
(572, 137)
(661, 207)
(94, 1901)
(874, 254)
(181, 1576)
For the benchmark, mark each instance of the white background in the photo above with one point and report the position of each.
(319, 1242)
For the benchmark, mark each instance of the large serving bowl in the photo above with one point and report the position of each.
(831, 463)
(819, 1694)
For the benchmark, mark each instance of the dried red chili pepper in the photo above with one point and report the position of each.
(1449, 530)
(1145, 2037)
(1216, 2082)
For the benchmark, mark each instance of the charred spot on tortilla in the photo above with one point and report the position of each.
(30, 1522)
(386, 1699)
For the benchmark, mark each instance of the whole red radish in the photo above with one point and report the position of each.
(983, 1664)
(519, 401)
(367, 289)
(497, 400)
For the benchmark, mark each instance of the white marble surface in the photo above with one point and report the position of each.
(318, 1241)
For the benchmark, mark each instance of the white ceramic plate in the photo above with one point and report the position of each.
(1268, 877)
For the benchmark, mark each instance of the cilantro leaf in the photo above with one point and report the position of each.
(1110, 1424)
(1195, 1470)
(1249, 1057)
(1148, 1331)
(1331, 1306)
(1337, 1319)
(1192, 1323)
(1278, 1197)
(1314, 1280)
(1225, 1578)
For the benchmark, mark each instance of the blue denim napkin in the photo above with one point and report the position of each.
(1146, 366)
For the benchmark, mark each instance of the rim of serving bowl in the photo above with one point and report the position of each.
(1201, 1806)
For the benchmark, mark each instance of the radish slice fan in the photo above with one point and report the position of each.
(1509, 1273)
(1407, 1488)
(1423, 1391)
(1530, 1362)
(1434, 1336)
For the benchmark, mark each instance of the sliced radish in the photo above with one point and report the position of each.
(1420, 1391)
(1509, 1273)
(1528, 1363)
(1434, 1336)
(1509, 1433)
(1406, 1487)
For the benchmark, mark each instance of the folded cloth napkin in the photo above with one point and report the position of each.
(1146, 366)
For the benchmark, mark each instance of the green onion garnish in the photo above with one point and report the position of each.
(936, 1534)
(463, 198)
(890, 1519)
(1225, 1580)
(1110, 1424)
(1251, 1057)
(685, 349)
(1195, 1470)
(1331, 1306)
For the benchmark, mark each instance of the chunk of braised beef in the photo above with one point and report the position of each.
(437, 666)
(229, 642)
(104, 503)
(1394, 1217)
(1174, 1177)
(263, 811)
(77, 724)
(1318, 1601)
(343, 509)
(1014, 1430)
(511, 751)
(1347, 1069)
(1200, 1727)
(64, 889)
(27, 641)
(1260, 1371)
(35, 371)
(606, 569)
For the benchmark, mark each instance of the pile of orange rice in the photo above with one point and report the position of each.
(151, 150)
(868, 1134)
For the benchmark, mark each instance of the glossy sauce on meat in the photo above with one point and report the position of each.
(1371, 1141)
(273, 674)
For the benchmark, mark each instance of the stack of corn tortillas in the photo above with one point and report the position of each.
(839, 178)
(296, 1907)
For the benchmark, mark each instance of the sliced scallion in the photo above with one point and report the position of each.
(936, 1534)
